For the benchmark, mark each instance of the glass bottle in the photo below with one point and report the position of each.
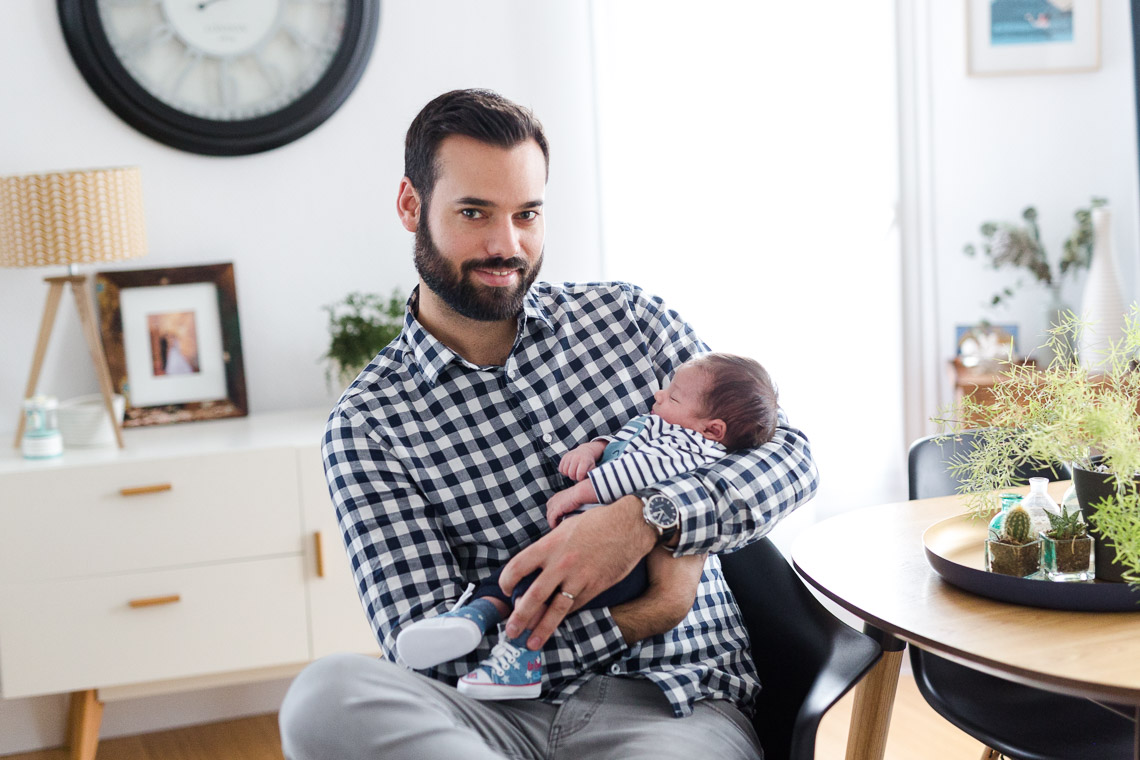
(1038, 503)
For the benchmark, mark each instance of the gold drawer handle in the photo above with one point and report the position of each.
(155, 601)
(159, 488)
(320, 554)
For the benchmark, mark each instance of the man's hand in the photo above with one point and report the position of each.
(673, 583)
(582, 557)
(567, 500)
(578, 461)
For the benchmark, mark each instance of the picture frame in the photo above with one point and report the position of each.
(985, 344)
(1032, 36)
(173, 342)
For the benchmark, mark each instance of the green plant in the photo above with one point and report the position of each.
(1061, 413)
(1065, 526)
(1012, 245)
(1015, 529)
(359, 326)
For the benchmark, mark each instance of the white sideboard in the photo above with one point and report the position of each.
(201, 553)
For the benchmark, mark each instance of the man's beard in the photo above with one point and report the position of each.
(460, 292)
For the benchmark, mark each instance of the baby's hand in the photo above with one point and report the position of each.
(578, 461)
(567, 500)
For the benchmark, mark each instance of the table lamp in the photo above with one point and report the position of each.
(72, 218)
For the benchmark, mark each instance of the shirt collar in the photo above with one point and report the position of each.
(433, 357)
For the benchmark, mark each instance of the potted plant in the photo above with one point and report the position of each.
(1066, 548)
(1016, 551)
(1013, 245)
(359, 326)
(1065, 412)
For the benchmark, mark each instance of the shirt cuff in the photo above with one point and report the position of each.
(596, 638)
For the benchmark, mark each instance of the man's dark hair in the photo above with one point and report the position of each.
(480, 114)
(741, 394)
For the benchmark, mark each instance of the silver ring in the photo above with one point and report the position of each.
(567, 594)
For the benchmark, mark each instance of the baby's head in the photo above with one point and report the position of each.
(725, 398)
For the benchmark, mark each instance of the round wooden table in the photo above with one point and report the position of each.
(871, 562)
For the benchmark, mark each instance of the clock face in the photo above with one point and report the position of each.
(222, 77)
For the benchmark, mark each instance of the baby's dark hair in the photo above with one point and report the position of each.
(741, 393)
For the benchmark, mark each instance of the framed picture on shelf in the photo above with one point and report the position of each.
(1032, 36)
(173, 342)
(985, 344)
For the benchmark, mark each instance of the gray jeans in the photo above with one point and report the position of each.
(351, 706)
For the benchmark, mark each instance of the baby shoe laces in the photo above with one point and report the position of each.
(503, 656)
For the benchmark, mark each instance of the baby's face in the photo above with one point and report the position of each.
(681, 402)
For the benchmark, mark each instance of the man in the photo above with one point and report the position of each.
(442, 455)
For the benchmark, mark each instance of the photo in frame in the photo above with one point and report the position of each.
(985, 344)
(173, 342)
(1032, 36)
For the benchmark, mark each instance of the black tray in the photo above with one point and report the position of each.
(955, 548)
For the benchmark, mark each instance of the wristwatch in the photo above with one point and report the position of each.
(662, 515)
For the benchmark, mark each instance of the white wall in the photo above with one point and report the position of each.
(999, 144)
(303, 224)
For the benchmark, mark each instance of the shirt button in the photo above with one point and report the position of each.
(548, 438)
(615, 669)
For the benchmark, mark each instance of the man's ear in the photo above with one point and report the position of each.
(715, 430)
(408, 205)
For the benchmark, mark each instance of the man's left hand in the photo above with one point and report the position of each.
(581, 557)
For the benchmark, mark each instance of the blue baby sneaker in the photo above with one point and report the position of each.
(427, 643)
(511, 672)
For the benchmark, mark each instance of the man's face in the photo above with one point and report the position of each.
(479, 243)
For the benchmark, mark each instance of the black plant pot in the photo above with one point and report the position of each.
(1093, 488)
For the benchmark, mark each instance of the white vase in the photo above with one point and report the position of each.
(1102, 307)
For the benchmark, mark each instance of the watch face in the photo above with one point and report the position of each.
(223, 77)
(661, 511)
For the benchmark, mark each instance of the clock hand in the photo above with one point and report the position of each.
(206, 4)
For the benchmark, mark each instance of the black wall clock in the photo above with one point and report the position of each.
(221, 77)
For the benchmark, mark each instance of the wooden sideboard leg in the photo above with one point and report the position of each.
(83, 725)
(871, 714)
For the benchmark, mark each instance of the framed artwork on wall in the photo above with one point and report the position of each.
(173, 343)
(1032, 36)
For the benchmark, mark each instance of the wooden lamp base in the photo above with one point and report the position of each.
(81, 289)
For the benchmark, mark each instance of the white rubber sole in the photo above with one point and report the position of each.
(429, 642)
(489, 691)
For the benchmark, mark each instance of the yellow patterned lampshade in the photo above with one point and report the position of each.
(77, 217)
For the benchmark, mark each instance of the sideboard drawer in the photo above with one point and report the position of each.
(78, 521)
(85, 633)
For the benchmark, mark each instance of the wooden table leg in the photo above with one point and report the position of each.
(83, 728)
(871, 714)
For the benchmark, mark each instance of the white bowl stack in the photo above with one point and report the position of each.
(83, 421)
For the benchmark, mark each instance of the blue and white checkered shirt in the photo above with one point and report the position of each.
(440, 471)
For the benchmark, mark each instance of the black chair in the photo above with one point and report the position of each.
(928, 472)
(1019, 721)
(807, 658)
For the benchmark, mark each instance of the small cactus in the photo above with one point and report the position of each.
(1015, 529)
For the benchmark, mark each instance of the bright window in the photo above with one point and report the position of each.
(749, 176)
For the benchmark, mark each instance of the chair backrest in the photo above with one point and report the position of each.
(928, 465)
(794, 639)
